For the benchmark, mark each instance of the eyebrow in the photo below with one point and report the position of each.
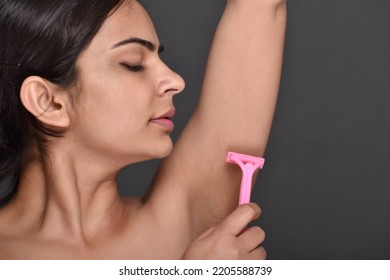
(147, 44)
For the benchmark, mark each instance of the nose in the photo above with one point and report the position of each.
(170, 82)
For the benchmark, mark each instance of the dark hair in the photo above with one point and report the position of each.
(43, 38)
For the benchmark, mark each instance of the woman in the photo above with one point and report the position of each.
(84, 93)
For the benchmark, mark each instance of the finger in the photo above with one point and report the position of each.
(239, 218)
(252, 238)
(258, 254)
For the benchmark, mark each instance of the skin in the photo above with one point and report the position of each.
(67, 200)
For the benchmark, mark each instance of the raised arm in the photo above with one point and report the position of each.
(235, 111)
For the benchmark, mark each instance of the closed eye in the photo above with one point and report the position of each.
(133, 68)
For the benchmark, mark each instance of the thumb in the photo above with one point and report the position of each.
(240, 218)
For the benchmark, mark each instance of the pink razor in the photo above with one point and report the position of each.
(248, 165)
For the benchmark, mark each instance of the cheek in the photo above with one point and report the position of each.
(110, 114)
(116, 116)
(118, 97)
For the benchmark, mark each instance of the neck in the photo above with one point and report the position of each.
(67, 196)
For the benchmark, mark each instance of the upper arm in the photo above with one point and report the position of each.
(234, 112)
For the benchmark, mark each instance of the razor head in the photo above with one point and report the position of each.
(233, 157)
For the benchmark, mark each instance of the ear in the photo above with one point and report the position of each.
(46, 101)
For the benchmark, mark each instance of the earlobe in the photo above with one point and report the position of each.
(47, 102)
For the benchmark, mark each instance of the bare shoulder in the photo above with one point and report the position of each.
(10, 248)
(9, 245)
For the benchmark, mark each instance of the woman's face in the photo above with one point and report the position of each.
(126, 91)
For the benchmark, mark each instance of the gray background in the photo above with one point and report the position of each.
(325, 189)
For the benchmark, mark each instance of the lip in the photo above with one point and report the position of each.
(167, 115)
(164, 120)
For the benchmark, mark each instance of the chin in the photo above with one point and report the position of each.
(163, 151)
(150, 148)
(157, 150)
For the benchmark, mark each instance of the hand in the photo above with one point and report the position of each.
(227, 240)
